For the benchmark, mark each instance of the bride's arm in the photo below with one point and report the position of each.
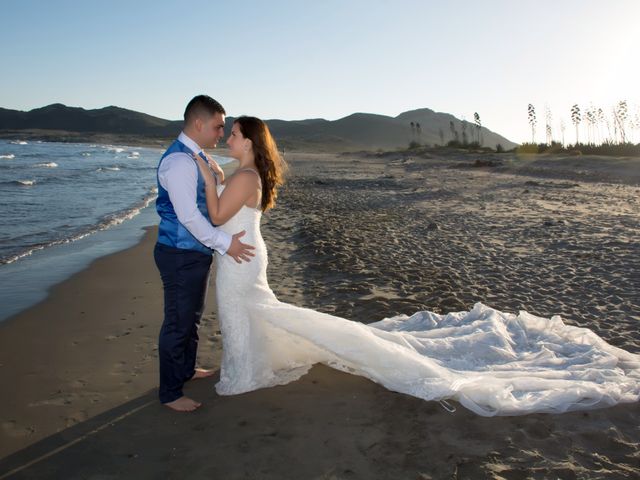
(236, 193)
(215, 167)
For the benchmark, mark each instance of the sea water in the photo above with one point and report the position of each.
(63, 205)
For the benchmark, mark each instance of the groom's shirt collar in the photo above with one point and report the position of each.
(193, 146)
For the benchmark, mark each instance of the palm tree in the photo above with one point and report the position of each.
(600, 121)
(547, 127)
(590, 117)
(532, 121)
(576, 118)
(621, 117)
(476, 119)
(635, 123)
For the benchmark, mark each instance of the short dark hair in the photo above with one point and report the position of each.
(202, 105)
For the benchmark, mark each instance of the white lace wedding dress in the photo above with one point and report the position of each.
(493, 363)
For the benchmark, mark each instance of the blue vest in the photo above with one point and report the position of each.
(170, 231)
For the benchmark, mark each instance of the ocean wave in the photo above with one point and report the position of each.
(86, 154)
(135, 155)
(105, 222)
(109, 169)
(18, 142)
(127, 214)
(109, 148)
(19, 183)
(8, 157)
(47, 165)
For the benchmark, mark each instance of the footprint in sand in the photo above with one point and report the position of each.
(118, 335)
(60, 400)
(119, 368)
(13, 429)
(75, 418)
(78, 383)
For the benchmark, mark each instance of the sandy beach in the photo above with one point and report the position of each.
(365, 237)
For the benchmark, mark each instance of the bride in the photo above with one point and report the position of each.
(491, 362)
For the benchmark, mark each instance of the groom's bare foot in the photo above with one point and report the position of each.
(202, 373)
(183, 404)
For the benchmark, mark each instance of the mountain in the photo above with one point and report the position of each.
(370, 131)
(73, 119)
(359, 131)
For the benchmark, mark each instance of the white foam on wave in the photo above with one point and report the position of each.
(119, 217)
(110, 169)
(47, 165)
(19, 142)
(26, 183)
(110, 148)
(134, 155)
(86, 154)
(8, 157)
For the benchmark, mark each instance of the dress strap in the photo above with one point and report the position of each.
(251, 170)
(248, 170)
(259, 179)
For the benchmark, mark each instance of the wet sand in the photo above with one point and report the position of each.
(363, 237)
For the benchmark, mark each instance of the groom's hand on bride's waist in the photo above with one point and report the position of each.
(240, 251)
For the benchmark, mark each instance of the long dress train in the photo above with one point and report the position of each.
(493, 363)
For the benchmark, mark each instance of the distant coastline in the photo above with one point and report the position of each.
(64, 136)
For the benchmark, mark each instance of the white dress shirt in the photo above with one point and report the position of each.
(178, 175)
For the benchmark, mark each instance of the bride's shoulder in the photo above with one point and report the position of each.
(245, 177)
(247, 172)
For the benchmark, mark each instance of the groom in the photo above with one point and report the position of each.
(183, 252)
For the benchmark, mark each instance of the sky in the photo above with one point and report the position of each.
(327, 59)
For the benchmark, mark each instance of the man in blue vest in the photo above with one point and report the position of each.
(183, 252)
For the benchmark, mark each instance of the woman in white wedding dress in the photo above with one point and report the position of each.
(493, 363)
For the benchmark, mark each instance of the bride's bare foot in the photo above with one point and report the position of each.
(202, 373)
(183, 404)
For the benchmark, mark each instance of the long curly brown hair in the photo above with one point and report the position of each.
(269, 163)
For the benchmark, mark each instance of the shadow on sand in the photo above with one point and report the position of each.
(328, 425)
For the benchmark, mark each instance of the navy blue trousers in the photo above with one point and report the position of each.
(185, 277)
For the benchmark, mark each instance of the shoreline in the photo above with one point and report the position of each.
(92, 318)
(127, 273)
(82, 365)
(42, 267)
(34, 275)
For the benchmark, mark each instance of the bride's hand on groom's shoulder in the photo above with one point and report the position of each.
(211, 167)
(217, 169)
